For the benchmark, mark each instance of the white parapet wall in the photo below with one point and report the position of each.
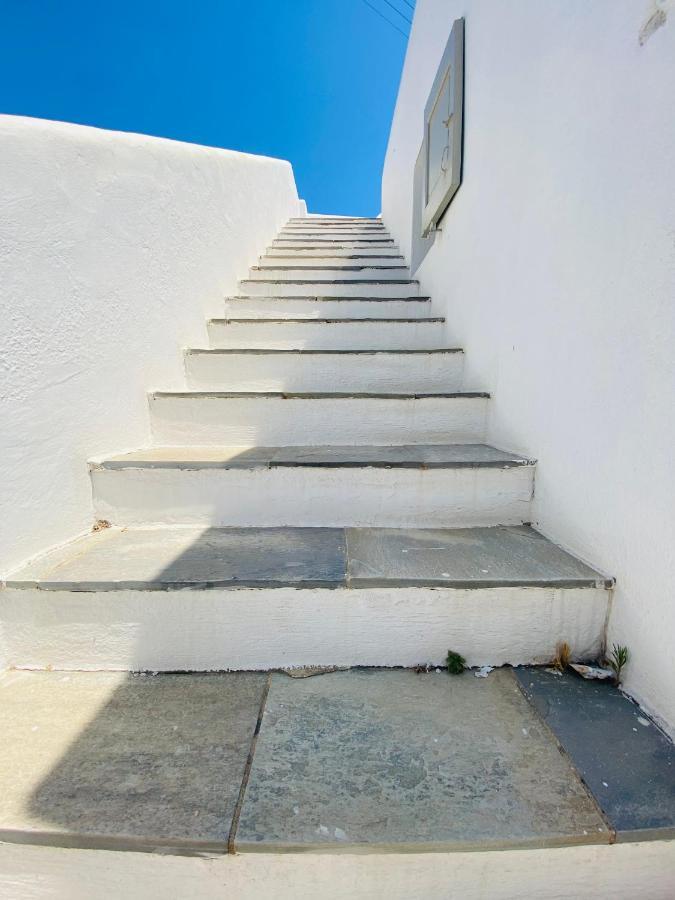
(555, 268)
(114, 250)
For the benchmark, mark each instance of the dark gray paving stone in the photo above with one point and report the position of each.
(99, 759)
(159, 558)
(626, 761)
(462, 557)
(391, 759)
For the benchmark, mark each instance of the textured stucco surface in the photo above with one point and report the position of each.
(585, 873)
(114, 250)
(555, 269)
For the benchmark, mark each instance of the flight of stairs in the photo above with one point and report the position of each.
(319, 494)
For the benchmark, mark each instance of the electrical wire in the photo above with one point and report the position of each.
(388, 21)
(398, 11)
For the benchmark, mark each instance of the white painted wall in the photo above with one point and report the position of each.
(556, 269)
(597, 872)
(114, 249)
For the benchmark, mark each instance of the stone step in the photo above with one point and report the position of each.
(328, 273)
(392, 487)
(337, 234)
(326, 308)
(337, 258)
(328, 334)
(321, 370)
(330, 244)
(193, 418)
(335, 220)
(353, 224)
(192, 599)
(286, 287)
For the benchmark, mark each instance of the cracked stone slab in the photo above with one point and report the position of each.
(393, 760)
(626, 761)
(498, 556)
(111, 760)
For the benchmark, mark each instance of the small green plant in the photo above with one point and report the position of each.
(455, 663)
(617, 660)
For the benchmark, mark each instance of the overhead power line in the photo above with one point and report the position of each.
(396, 10)
(388, 21)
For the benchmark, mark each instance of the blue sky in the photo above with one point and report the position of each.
(312, 81)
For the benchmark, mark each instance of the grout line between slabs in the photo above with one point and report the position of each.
(247, 768)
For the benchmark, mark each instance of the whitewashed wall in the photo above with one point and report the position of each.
(114, 249)
(556, 269)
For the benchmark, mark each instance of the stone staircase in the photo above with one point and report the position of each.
(319, 494)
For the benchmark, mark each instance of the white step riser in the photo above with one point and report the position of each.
(329, 336)
(328, 289)
(202, 630)
(310, 308)
(307, 373)
(338, 259)
(307, 496)
(354, 273)
(275, 422)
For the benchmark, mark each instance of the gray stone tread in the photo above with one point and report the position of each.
(423, 320)
(327, 281)
(319, 395)
(249, 298)
(301, 265)
(211, 351)
(175, 558)
(417, 456)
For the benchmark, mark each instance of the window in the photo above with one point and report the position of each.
(442, 146)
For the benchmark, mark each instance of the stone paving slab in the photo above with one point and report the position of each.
(463, 557)
(95, 759)
(626, 761)
(155, 558)
(392, 760)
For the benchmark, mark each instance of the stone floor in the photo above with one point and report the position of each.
(374, 759)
